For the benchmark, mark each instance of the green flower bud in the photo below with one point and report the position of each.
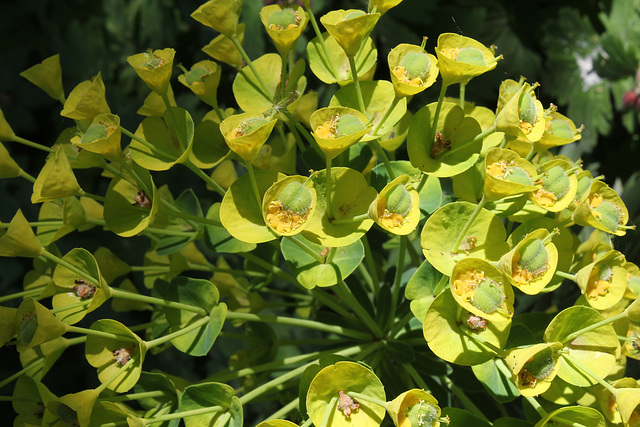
(488, 296)
(527, 108)
(399, 200)
(396, 209)
(196, 75)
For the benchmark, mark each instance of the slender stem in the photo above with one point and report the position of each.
(184, 414)
(382, 155)
(465, 144)
(119, 293)
(173, 211)
(283, 75)
(460, 394)
(372, 267)
(274, 269)
(580, 366)
(31, 144)
(35, 364)
(367, 398)
(254, 184)
(333, 303)
(206, 178)
(27, 293)
(184, 330)
(366, 276)
(328, 411)
(27, 176)
(400, 324)
(357, 218)
(96, 333)
(73, 306)
(466, 227)
(345, 293)
(311, 324)
(135, 396)
(309, 421)
(387, 113)
(284, 411)
(463, 86)
(356, 82)
(146, 143)
(327, 59)
(257, 75)
(395, 295)
(60, 261)
(594, 326)
(434, 124)
(415, 376)
(536, 405)
(312, 253)
(327, 190)
(102, 387)
(564, 275)
(218, 111)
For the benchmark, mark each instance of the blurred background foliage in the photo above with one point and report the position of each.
(584, 53)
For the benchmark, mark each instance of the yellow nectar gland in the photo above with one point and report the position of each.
(327, 130)
(283, 220)
(499, 169)
(520, 274)
(388, 219)
(466, 283)
(595, 200)
(525, 127)
(597, 286)
(544, 197)
(400, 72)
(451, 53)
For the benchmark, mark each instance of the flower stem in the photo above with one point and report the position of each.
(594, 326)
(119, 293)
(357, 218)
(254, 184)
(345, 293)
(468, 224)
(372, 267)
(31, 144)
(463, 86)
(356, 82)
(415, 376)
(466, 402)
(536, 405)
(60, 261)
(327, 190)
(564, 275)
(368, 398)
(35, 364)
(135, 396)
(385, 159)
(206, 178)
(312, 253)
(328, 411)
(465, 144)
(327, 59)
(184, 414)
(398, 277)
(184, 330)
(96, 333)
(432, 135)
(263, 86)
(24, 294)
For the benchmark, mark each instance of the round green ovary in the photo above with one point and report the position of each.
(556, 182)
(527, 108)
(295, 197)
(196, 75)
(561, 129)
(534, 256)
(28, 329)
(471, 56)
(421, 414)
(604, 272)
(152, 63)
(399, 200)
(610, 215)
(94, 133)
(518, 175)
(488, 296)
(282, 19)
(541, 365)
(353, 14)
(348, 125)
(416, 65)
(253, 124)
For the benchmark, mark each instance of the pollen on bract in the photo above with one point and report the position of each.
(346, 404)
(599, 282)
(123, 355)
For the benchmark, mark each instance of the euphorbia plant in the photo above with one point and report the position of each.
(348, 273)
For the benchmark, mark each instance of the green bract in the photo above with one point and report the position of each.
(349, 27)
(461, 58)
(602, 208)
(221, 15)
(19, 240)
(522, 116)
(415, 408)
(534, 367)
(86, 100)
(332, 66)
(507, 174)
(284, 25)
(203, 79)
(337, 128)
(246, 133)
(102, 137)
(47, 75)
(154, 68)
(35, 325)
(56, 179)
(603, 282)
(558, 186)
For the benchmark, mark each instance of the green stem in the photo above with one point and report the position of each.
(333, 303)
(184, 414)
(283, 75)
(578, 365)
(206, 178)
(327, 58)
(146, 143)
(275, 270)
(344, 292)
(119, 293)
(368, 398)
(397, 327)
(102, 387)
(372, 267)
(466, 402)
(31, 144)
(284, 411)
(366, 276)
(135, 396)
(434, 124)
(357, 218)
(594, 326)
(398, 277)
(564, 275)
(382, 155)
(308, 421)
(327, 192)
(356, 82)
(73, 306)
(185, 330)
(188, 217)
(466, 227)
(26, 294)
(35, 364)
(257, 75)
(328, 411)
(387, 113)
(463, 86)
(254, 184)
(311, 324)
(461, 146)
(218, 111)
(95, 333)
(27, 176)
(536, 405)
(415, 376)
(60, 261)
(312, 253)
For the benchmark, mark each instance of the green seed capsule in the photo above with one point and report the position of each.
(28, 328)
(399, 200)
(196, 75)
(518, 175)
(422, 414)
(282, 19)
(472, 56)
(556, 181)
(534, 257)
(416, 65)
(94, 132)
(527, 108)
(348, 125)
(488, 296)
(610, 216)
(152, 63)
(295, 197)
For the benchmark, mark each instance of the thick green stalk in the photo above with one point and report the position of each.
(463, 86)
(312, 253)
(96, 333)
(146, 143)
(119, 293)
(434, 124)
(327, 190)
(564, 275)
(135, 396)
(257, 75)
(356, 82)
(382, 155)
(254, 184)
(23, 294)
(395, 295)
(36, 363)
(536, 405)
(372, 267)
(284, 411)
(185, 330)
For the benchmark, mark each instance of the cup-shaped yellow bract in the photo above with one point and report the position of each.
(534, 367)
(288, 204)
(349, 27)
(73, 409)
(522, 116)
(382, 6)
(86, 100)
(203, 80)
(36, 325)
(412, 69)
(30, 399)
(102, 137)
(507, 174)
(337, 128)
(6, 133)
(532, 263)
(47, 76)
(56, 179)
(481, 289)
(559, 130)
(221, 15)
(461, 58)
(332, 385)
(154, 68)
(222, 48)
(123, 352)
(558, 186)
(284, 25)
(397, 207)
(19, 240)
(415, 408)
(604, 281)
(602, 208)
(246, 133)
